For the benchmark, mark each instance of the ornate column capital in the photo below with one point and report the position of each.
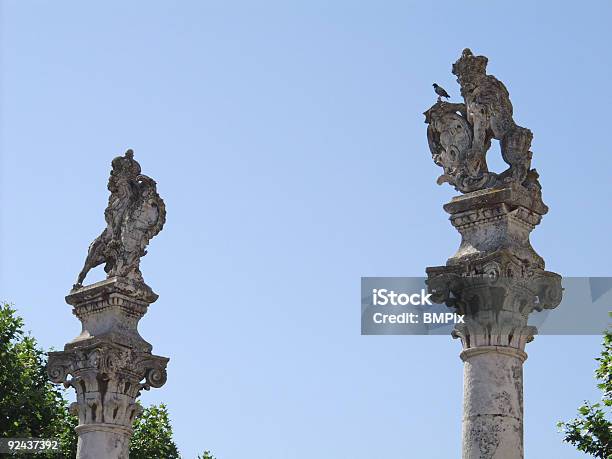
(496, 279)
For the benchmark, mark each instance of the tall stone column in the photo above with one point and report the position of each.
(496, 279)
(109, 363)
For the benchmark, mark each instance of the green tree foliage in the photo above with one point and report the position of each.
(153, 435)
(591, 431)
(31, 406)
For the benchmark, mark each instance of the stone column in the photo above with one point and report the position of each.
(493, 402)
(109, 363)
(496, 280)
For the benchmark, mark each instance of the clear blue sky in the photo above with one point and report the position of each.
(288, 142)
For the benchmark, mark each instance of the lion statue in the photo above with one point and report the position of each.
(134, 215)
(460, 134)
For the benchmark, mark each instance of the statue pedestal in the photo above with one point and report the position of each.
(109, 364)
(109, 311)
(496, 280)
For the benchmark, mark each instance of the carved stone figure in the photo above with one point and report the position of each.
(460, 135)
(135, 214)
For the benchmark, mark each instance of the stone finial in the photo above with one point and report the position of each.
(134, 215)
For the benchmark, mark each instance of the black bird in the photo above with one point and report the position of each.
(440, 91)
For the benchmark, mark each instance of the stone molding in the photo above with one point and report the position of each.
(466, 354)
(118, 286)
(101, 427)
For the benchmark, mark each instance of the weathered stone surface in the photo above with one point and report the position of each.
(103, 441)
(108, 313)
(495, 279)
(493, 403)
(494, 220)
(109, 363)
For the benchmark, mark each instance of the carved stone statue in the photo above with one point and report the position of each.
(135, 214)
(460, 135)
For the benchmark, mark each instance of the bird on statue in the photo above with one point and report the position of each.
(440, 91)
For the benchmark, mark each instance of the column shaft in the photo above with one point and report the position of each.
(103, 441)
(493, 403)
